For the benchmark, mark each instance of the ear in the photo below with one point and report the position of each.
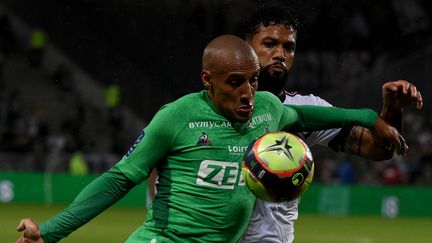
(206, 79)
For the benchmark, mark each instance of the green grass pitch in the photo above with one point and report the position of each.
(117, 223)
(362, 229)
(113, 225)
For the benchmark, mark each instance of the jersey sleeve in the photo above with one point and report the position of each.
(152, 145)
(326, 137)
(311, 118)
(97, 196)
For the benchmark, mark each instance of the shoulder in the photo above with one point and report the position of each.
(266, 96)
(295, 98)
(185, 103)
(266, 102)
(174, 116)
(183, 107)
(187, 99)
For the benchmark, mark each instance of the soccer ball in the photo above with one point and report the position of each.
(278, 166)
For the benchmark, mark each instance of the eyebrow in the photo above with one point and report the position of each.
(236, 75)
(242, 75)
(288, 42)
(269, 38)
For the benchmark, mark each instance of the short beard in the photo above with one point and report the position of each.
(272, 83)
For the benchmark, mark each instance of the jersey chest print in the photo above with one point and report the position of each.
(219, 174)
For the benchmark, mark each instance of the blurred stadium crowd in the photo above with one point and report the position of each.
(142, 54)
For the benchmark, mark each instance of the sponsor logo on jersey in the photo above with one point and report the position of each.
(252, 123)
(209, 124)
(236, 149)
(257, 120)
(203, 139)
(220, 174)
(132, 148)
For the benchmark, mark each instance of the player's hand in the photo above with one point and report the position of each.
(389, 136)
(400, 93)
(30, 232)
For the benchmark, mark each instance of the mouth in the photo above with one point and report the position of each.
(278, 67)
(245, 110)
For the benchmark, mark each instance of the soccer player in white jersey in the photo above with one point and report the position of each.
(272, 32)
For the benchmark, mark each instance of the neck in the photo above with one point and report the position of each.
(282, 95)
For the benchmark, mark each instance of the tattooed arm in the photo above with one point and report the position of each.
(361, 141)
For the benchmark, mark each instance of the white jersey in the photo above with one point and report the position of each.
(274, 222)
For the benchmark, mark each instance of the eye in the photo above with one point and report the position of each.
(253, 80)
(269, 44)
(235, 82)
(290, 47)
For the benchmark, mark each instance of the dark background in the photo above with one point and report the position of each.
(154, 47)
(346, 50)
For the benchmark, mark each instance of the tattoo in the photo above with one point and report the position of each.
(354, 140)
(360, 141)
(338, 142)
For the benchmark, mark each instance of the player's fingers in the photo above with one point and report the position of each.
(389, 87)
(404, 146)
(413, 93)
(21, 225)
(419, 100)
(406, 87)
(395, 140)
(398, 145)
(401, 146)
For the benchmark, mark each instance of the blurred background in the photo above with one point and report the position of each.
(80, 79)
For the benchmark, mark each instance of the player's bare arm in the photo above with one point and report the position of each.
(396, 95)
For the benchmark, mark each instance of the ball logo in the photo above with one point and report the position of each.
(281, 146)
(297, 179)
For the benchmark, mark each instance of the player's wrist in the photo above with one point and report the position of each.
(390, 112)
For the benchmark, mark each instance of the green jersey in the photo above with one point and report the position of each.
(201, 195)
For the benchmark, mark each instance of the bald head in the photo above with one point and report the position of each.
(230, 74)
(226, 50)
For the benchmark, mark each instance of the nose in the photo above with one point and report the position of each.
(247, 93)
(279, 54)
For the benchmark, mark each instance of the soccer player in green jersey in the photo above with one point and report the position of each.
(197, 144)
